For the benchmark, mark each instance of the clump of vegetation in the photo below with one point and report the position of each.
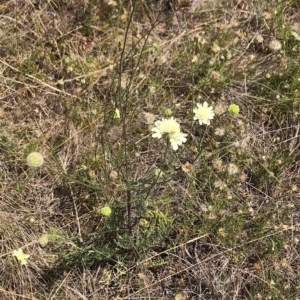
(149, 150)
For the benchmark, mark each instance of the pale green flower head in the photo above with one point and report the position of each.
(35, 159)
(144, 223)
(233, 109)
(105, 211)
(43, 240)
(155, 46)
(168, 112)
(117, 114)
(21, 256)
(158, 172)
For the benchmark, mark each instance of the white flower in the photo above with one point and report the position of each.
(172, 128)
(203, 113)
(169, 126)
(177, 139)
(21, 256)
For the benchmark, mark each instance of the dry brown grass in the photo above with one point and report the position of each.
(196, 232)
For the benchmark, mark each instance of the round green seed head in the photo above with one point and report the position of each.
(155, 46)
(233, 109)
(105, 211)
(35, 159)
(43, 240)
(168, 112)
